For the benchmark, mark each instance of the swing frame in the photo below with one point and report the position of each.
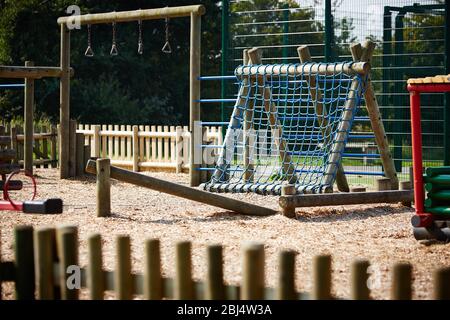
(67, 159)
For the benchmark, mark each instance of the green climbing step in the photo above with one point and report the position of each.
(429, 187)
(442, 180)
(439, 195)
(431, 203)
(438, 210)
(435, 171)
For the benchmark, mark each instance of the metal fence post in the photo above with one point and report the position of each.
(329, 36)
(225, 44)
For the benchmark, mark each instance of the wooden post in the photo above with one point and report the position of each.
(116, 143)
(86, 155)
(96, 141)
(358, 189)
(405, 185)
(95, 277)
(123, 281)
(179, 149)
(44, 258)
(44, 147)
(64, 98)
(80, 154)
(172, 145)
(135, 148)
(141, 145)
(383, 184)
(24, 263)
(153, 149)
(401, 283)
(28, 122)
(359, 275)
(53, 143)
(111, 139)
(288, 190)
(321, 113)
(204, 141)
(411, 175)
(103, 188)
(215, 288)
(153, 282)
(252, 287)
(364, 54)
(166, 145)
(129, 144)
(322, 278)
(37, 149)
(194, 83)
(14, 144)
(104, 145)
(286, 280)
(20, 146)
(184, 286)
(442, 284)
(67, 244)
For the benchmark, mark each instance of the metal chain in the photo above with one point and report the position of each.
(167, 48)
(140, 41)
(89, 35)
(114, 51)
(167, 29)
(89, 52)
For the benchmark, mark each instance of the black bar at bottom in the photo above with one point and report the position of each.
(432, 233)
(49, 206)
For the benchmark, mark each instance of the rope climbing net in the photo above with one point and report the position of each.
(289, 125)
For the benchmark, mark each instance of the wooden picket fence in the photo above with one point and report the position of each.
(44, 146)
(45, 259)
(144, 147)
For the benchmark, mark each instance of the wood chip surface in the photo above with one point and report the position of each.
(380, 233)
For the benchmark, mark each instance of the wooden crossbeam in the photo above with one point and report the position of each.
(308, 68)
(31, 72)
(127, 16)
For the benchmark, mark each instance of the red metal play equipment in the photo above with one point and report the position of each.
(49, 206)
(426, 225)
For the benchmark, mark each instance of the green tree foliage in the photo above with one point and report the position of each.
(343, 36)
(124, 89)
(420, 30)
(266, 28)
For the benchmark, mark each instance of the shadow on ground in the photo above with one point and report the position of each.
(342, 214)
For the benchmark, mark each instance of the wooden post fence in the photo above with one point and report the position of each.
(42, 257)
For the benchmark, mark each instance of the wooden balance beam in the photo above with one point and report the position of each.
(183, 191)
(290, 202)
